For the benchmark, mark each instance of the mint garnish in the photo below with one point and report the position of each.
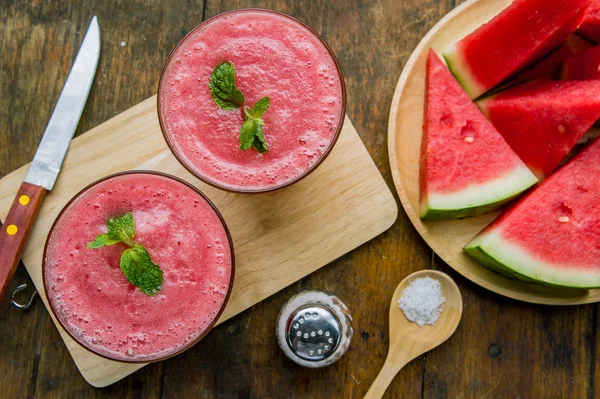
(259, 108)
(227, 96)
(136, 262)
(251, 134)
(222, 87)
(103, 240)
(122, 229)
(140, 271)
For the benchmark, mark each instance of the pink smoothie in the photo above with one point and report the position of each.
(273, 55)
(92, 297)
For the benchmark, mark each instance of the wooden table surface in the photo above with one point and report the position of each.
(502, 348)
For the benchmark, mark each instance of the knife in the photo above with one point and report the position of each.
(49, 156)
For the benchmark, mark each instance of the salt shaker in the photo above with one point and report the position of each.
(314, 329)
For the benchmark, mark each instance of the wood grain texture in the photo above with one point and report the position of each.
(498, 341)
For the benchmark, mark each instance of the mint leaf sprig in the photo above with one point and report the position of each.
(251, 134)
(136, 263)
(222, 87)
(227, 96)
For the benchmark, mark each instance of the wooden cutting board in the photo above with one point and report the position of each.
(278, 238)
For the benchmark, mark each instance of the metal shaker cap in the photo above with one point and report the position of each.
(313, 332)
(314, 329)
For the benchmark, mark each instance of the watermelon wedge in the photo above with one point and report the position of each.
(543, 120)
(590, 26)
(521, 34)
(583, 66)
(466, 166)
(552, 236)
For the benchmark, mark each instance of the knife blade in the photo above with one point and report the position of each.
(64, 120)
(49, 156)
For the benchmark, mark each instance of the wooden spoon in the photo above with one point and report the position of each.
(407, 339)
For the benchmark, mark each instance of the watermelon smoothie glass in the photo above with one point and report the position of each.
(275, 56)
(93, 300)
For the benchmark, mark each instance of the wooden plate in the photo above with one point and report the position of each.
(448, 237)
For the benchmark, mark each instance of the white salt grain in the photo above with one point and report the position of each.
(422, 301)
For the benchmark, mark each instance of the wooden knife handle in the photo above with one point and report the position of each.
(16, 228)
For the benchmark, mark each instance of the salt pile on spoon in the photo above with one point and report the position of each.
(422, 301)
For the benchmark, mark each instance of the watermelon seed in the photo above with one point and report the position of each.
(561, 129)
(469, 139)
(563, 219)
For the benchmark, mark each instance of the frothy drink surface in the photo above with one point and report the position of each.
(92, 296)
(273, 56)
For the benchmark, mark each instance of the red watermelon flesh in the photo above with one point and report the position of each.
(583, 66)
(550, 66)
(590, 26)
(552, 235)
(521, 34)
(466, 166)
(543, 120)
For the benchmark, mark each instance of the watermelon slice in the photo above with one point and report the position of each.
(521, 34)
(590, 26)
(543, 120)
(550, 67)
(552, 236)
(583, 66)
(466, 166)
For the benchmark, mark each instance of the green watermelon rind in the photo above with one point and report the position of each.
(462, 74)
(506, 258)
(478, 199)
